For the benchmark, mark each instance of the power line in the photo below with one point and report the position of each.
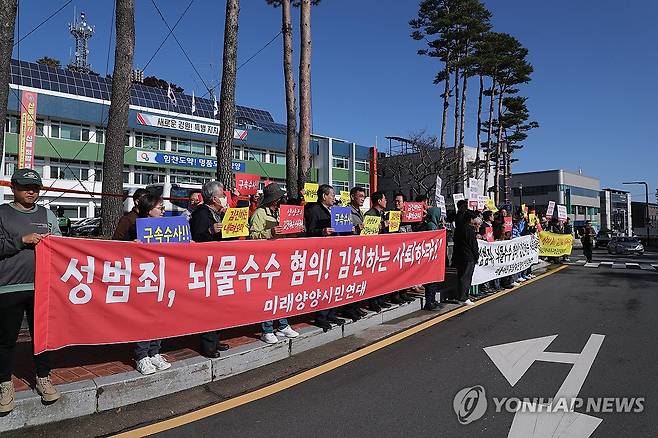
(43, 22)
(260, 50)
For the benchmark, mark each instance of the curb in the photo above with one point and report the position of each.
(112, 392)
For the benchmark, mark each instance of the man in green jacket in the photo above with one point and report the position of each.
(23, 224)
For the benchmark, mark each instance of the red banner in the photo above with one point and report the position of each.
(28, 130)
(291, 218)
(247, 184)
(94, 292)
(413, 212)
(508, 224)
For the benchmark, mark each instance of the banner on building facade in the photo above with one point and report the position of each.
(185, 125)
(143, 156)
(28, 130)
(555, 245)
(94, 292)
(506, 257)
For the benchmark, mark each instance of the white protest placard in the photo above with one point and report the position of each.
(482, 202)
(456, 197)
(437, 190)
(441, 203)
(551, 209)
(505, 257)
(561, 213)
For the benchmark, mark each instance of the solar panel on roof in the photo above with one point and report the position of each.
(65, 81)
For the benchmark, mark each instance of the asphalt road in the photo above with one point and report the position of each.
(407, 389)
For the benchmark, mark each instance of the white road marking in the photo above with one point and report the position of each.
(592, 265)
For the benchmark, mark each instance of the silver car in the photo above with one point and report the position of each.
(625, 245)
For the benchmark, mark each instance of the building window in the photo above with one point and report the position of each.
(69, 170)
(12, 124)
(66, 131)
(237, 153)
(153, 142)
(10, 166)
(340, 185)
(366, 187)
(182, 177)
(255, 155)
(277, 158)
(201, 148)
(126, 177)
(340, 163)
(362, 165)
(71, 211)
(99, 136)
(147, 175)
(40, 127)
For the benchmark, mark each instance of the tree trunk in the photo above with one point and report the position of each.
(456, 138)
(291, 104)
(112, 206)
(7, 23)
(304, 163)
(227, 96)
(499, 145)
(462, 119)
(487, 168)
(446, 105)
(479, 127)
(508, 172)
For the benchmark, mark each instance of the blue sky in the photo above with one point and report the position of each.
(593, 90)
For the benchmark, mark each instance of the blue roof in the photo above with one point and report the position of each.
(44, 77)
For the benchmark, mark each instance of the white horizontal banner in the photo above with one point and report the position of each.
(507, 257)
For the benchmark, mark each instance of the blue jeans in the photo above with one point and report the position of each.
(147, 349)
(268, 326)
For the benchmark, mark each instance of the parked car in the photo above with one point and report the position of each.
(87, 227)
(602, 239)
(625, 245)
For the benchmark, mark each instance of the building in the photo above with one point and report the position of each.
(165, 141)
(616, 213)
(579, 193)
(639, 210)
(411, 168)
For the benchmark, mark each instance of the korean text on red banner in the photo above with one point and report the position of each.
(413, 212)
(93, 292)
(247, 184)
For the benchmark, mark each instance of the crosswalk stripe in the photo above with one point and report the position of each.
(633, 265)
(607, 264)
(647, 268)
(619, 266)
(592, 265)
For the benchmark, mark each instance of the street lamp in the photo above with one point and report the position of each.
(646, 200)
(520, 195)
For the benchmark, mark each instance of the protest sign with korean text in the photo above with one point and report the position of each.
(95, 292)
(456, 197)
(505, 257)
(555, 245)
(550, 210)
(311, 192)
(371, 225)
(562, 213)
(235, 222)
(394, 219)
(344, 198)
(491, 204)
(413, 212)
(171, 229)
(508, 224)
(341, 219)
(291, 218)
(247, 184)
(488, 234)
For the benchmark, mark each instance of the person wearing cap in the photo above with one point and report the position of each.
(23, 224)
(264, 224)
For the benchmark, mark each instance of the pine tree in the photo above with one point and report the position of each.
(7, 23)
(112, 206)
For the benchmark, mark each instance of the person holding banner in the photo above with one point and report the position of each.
(23, 224)
(432, 222)
(206, 226)
(357, 198)
(147, 355)
(317, 219)
(264, 224)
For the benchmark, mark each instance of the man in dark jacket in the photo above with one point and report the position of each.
(317, 219)
(206, 226)
(465, 255)
(23, 224)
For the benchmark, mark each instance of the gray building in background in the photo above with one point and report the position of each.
(580, 193)
(616, 211)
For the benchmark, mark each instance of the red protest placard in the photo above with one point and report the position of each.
(95, 292)
(247, 184)
(488, 234)
(473, 204)
(413, 212)
(508, 224)
(291, 218)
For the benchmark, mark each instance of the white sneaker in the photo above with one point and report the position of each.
(520, 280)
(145, 366)
(532, 276)
(160, 363)
(515, 284)
(287, 332)
(269, 338)
(468, 302)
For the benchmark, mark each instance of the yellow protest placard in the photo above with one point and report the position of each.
(554, 245)
(371, 225)
(235, 222)
(311, 192)
(524, 209)
(532, 219)
(344, 198)
(394, 219)
(491, 205)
